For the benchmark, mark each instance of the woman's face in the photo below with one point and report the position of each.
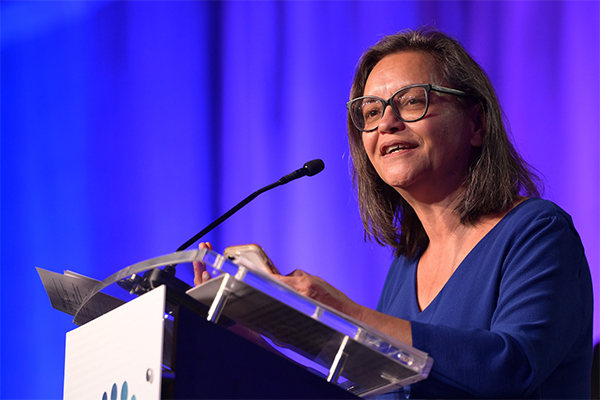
(429, 157)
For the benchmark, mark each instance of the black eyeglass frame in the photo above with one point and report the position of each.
(428, 88)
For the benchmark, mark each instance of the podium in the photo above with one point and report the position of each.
(178, 342)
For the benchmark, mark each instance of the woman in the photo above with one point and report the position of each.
(488, 279)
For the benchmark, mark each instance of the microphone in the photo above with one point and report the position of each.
(311, 168)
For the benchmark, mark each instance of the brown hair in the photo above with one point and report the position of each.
(497, 174)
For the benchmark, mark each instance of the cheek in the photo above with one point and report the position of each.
(455, 146)
(369, 144)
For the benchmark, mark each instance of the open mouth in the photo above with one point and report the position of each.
(396, 148)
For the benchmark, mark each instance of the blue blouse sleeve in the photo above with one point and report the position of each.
(533, 346)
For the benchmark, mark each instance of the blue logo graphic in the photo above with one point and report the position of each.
(114, 395)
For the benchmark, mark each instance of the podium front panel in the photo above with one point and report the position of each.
(119, 354)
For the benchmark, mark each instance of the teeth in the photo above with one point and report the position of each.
(394, 149)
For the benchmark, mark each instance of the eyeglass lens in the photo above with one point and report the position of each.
(409, 104)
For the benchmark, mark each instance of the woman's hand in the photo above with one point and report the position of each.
(201, 275)
(317, 289)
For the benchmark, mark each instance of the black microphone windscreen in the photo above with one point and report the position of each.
(313, 167)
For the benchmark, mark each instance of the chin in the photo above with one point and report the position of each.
(399, 185)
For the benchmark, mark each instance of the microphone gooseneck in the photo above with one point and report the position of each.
(311, 168)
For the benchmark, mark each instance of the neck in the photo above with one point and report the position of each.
(448, 237)
(437, 214)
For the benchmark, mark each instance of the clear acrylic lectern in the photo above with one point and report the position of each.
(340, 352)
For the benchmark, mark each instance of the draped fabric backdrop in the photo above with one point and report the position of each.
(129, 126)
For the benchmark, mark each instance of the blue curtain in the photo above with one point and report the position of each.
(129, 126)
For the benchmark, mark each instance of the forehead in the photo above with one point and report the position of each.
(401, 69)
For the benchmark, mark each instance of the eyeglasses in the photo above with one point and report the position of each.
(410, 104)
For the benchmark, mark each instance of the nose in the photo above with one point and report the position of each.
(390, 123)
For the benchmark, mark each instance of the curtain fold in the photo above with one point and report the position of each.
(129, 126)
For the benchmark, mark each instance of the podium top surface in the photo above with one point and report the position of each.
(370, 362)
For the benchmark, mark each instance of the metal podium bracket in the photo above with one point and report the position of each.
(218, 304)
(338, 362)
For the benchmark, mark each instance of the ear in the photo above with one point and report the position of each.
(477, 114)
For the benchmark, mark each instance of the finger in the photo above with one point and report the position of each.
(199, 269)
(206, 276)
(286, 280)
(201, 275)
(298, 272)
(298, 283)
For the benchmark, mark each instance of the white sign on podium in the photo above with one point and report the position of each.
(118, 355)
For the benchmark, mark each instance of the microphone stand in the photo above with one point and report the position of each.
(222, 218)
(156, 277)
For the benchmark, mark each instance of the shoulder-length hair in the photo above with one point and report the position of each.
(496, 176)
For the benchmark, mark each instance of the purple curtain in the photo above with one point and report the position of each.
(129, 126)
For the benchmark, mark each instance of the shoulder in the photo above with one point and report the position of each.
(535, 215)
(536, 208)
(538, 235)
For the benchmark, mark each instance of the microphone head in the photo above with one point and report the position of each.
(313, 167)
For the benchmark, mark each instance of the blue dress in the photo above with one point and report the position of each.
(515, 318)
